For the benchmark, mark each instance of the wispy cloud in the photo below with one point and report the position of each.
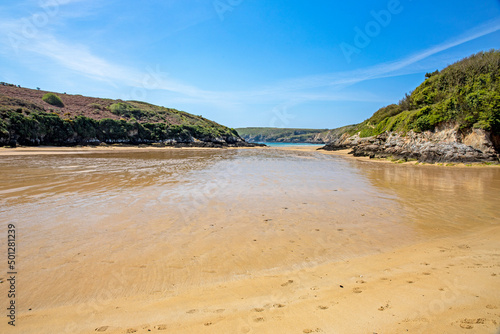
(300, 88)
(49, 3)
(383, 70)
(80, 59)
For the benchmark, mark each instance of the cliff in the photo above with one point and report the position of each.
(34, 117)
(453, 116)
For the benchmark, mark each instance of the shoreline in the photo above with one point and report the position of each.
(345, 154)
(44, 150)
(61, 150)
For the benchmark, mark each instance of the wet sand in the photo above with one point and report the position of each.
(250, 241)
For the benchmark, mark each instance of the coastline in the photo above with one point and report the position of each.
(60, 150)
(44, 150)
(345, 154)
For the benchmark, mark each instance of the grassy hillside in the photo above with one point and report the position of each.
(34, 117)
(278, 134)
(467, 93)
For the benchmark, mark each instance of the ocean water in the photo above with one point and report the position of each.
(275, 144)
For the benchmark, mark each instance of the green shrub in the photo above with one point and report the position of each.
(127, 110)
(53, 99)
(96, 106)
(467, 93)
(120, 108)
(383, 113)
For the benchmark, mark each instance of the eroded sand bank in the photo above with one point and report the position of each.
(212, 241)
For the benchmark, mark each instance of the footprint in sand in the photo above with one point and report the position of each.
(258, 309)
(208, 323)
(491, 307)
(382, 308)
(161, 327)
(101, 329)
(322, 307)
(357, 290)
(278, 305)
(287, 283)
(131, 330)
(468, 323)
(192, 311)
(259, 319)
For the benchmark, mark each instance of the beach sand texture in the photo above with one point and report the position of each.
(248, 241)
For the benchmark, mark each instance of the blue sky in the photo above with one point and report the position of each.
(311, 64)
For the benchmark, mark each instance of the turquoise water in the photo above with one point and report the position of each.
(290, 144)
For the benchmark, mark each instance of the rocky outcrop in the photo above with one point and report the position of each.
(187, 141)
(445, 144)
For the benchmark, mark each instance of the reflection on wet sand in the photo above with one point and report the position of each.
(143, 226)
(31, 176)
(437, 198)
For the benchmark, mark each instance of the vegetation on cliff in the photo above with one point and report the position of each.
(467, 93)
(73, 119)
(53, 99)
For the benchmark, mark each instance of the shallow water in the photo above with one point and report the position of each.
(132, 222)
(280, 144)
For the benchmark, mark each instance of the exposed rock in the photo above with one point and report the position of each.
(446, 144)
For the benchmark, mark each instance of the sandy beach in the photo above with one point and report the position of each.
(444, 286)
(249, 241)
